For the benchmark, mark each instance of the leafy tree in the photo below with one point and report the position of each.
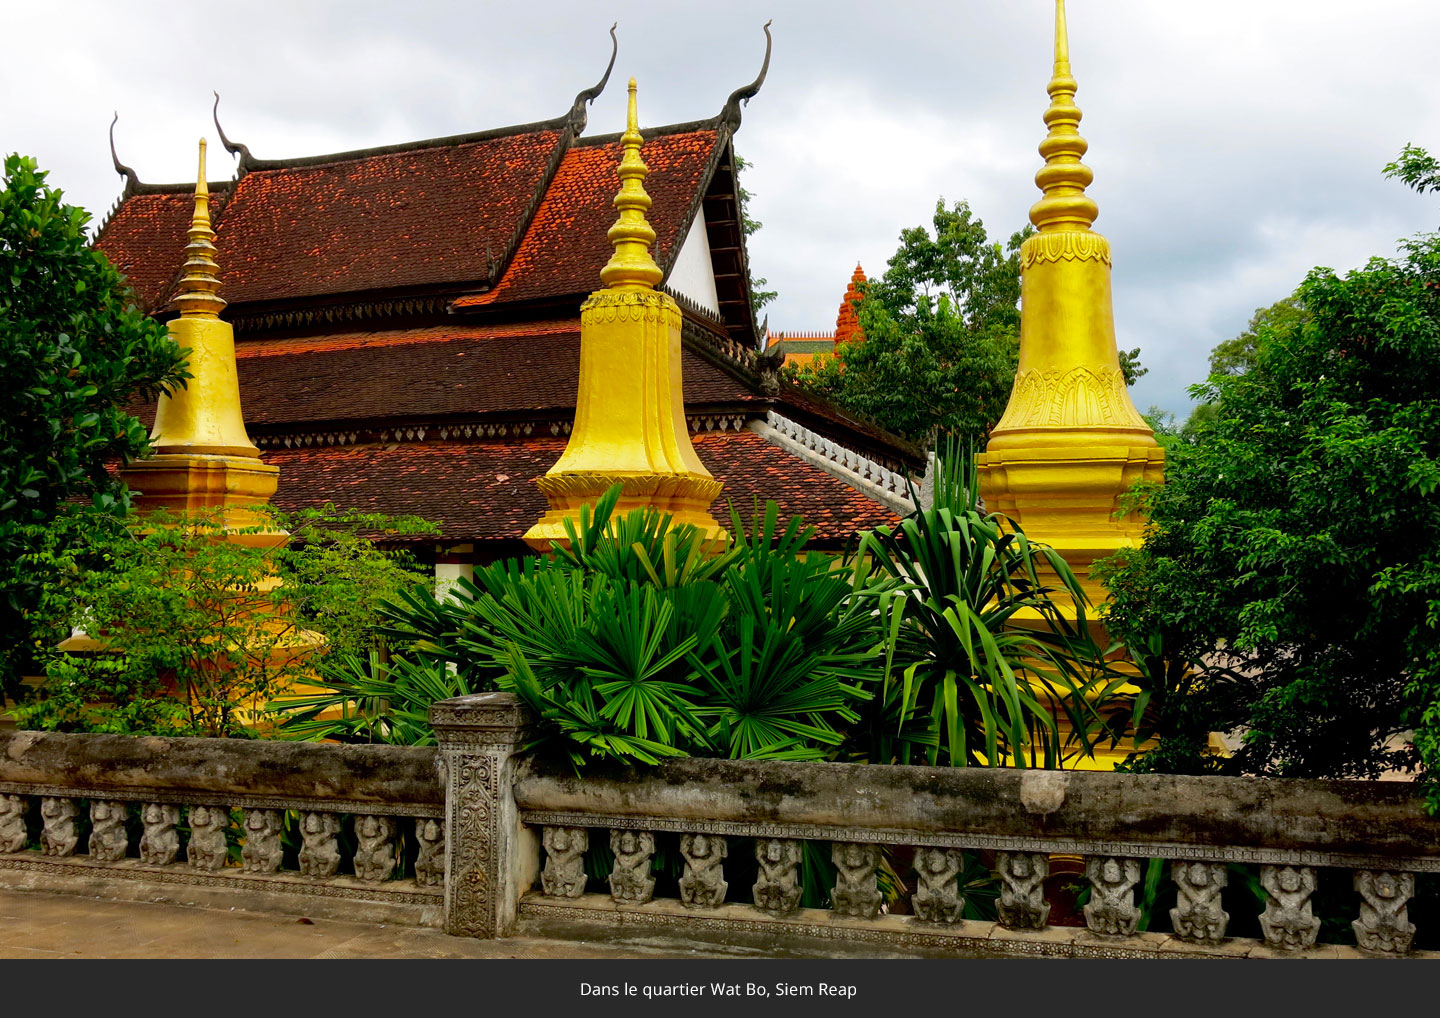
(194, 633)
(1238, 355)
(1416, 168)
(1294, 557)
(942, 331)
(74, 349)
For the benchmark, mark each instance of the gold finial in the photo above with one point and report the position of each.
(196, 294)
(631, 265)
(1064, 177)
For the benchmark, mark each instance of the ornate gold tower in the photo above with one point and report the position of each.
(1070, 441)
(630, 412)
(203, 457)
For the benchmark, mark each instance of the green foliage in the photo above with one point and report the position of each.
(987, 633)
(222, 624)
(74, 350)
(1294, 560)
(1416, 168)
(941, 334)
(1237, 356)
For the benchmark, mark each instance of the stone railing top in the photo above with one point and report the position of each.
(1336, 823)
(375, 779)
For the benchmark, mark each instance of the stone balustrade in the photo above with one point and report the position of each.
(533, 821)
(712, 849)
(344, 831)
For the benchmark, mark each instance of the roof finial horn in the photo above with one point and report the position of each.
(196, 294)
(233, 147)
(132, 180)
(578, 116)
(731, 113)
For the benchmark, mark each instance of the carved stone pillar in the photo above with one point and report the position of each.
(703, 883)
(489, 858)
(1288, 922)
(564, 872)
(160, 842)
(937, 897)
(855, 893)
(777, 885)
(319, 843)
(12, 823)
(108, 838)
(430, 852)
(1197, 916)
(1384, 925)
(58, 836)
(1111, 911)
(1022, 904)
(630, 879)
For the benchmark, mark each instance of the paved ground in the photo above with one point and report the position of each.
(39, 925)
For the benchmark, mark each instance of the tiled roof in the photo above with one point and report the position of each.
(145, 238)
(566, 245)
(519, 369)
(485, 491)
(423, 217)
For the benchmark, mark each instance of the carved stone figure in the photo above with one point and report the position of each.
(777, 887)
(1384, 924)
(159, 842)
(319, 849)
(1111, 911)
(855, 893)
(206, 848)
(1022, 904)
(564, 872)
(430, 860)
(58, 836)
(375, 847)
(937, 897)
(108, 838)
(1197, 916)
(703, 885)
(262, 852)
(12, 823)
(630, 879)
(1287, 922)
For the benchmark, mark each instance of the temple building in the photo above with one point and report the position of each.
(801, 348)
(407, 324)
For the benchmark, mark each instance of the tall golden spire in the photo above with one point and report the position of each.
(203, 457)
(632, 264)
(1064, 177)
(1070, 441)
(630, 426)
(197, 295)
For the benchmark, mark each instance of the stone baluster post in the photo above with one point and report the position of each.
(490, 860)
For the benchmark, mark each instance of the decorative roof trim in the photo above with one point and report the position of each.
(249, 321)
(697, 202)
(132, 180)
(869, 478)
(731, 113)
(578, 116)
(697, 423)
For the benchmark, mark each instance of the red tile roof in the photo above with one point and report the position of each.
(566, 244)
(485, 491)
(421, 217)
(518, 370)
(145, 238)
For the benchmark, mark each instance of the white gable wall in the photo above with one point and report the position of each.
(694, 274)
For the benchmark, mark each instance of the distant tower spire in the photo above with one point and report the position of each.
(847, 323)
(632, 265)
(197, 294)
(1064, 177)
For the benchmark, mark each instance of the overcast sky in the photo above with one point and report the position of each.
(1235, 143)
